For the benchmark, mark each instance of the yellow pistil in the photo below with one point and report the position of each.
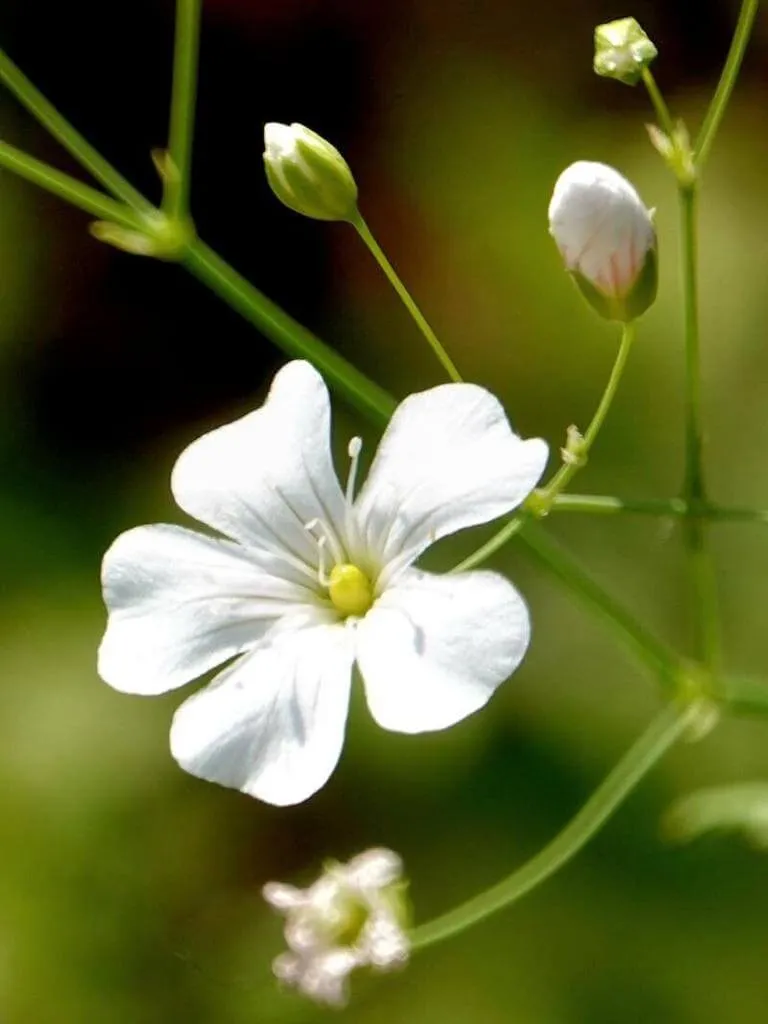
(350, 589)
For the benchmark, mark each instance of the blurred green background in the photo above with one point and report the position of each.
(129, 891)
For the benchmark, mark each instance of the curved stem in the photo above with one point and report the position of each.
(295, 340)
(660, 736)
(728, 79)
(542, 501)
(69, 189)
(68, 136)
(391, 274)
(185, 61)
(570, 468)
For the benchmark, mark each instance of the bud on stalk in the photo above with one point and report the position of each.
(606, 236)
(308, 174)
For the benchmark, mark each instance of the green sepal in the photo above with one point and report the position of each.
(624, 308)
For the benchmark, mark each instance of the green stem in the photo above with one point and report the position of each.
(706, 613)
(69, 189)
(659, 103)
(543, 500)
(725, 86)
(568, 470)
(742, 694)
(647, 751)
(378, 254)
(736, 515)
(549, 555)
(677, 508)
(295, 340)
(181, 134)
(602, 504)
(68, 136)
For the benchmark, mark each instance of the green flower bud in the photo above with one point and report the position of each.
(622, 50)
(308, 174)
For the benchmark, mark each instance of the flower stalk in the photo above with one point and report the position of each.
(182, 120)
(420, 320)
(663, 733)
(75, 143)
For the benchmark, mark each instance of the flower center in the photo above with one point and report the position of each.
(350, 589)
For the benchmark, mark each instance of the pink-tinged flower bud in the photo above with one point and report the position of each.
(606, 236)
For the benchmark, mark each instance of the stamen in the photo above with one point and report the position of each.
(313, 527)
(354, 448)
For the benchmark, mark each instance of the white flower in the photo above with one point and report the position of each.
(353, 916)
(312, 579)
(606, 236)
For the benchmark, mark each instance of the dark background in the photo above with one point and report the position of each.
(129, 890)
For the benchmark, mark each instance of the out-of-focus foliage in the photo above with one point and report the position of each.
(130, 891)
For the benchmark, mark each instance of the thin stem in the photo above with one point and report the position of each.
(69, 137)
(743, 694)
(722, 513)
(494, 544)
(706, 614)
(658, 101)
(378, 254)
(661, 508)
(544, 499)
(62, 185)
(295, 340)
(185, 62)
(602, 504)
(646, 752)
(728, 78)
(568, 470)
(549, 555)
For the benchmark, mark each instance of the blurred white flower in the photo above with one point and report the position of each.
(313, 579)
(353, 916)
(606, 237)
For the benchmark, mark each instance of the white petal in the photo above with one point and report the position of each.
(448, 460)
(181, 603)
(263, 477)
(273, 724)
(434, 648)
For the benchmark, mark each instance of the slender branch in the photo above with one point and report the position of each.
(549, 555)
(568, 470)
(728, 79)
(62, 185)
(209, 268)
(391, 274)
(706, 612)
(540, 502)
(602, 504)
(69, 137)
(743, 694)
(181, 134)
(677, 508)
(647, 751)
(659, 103)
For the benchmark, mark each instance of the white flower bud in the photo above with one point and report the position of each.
(308, 174)
(353, 916)
(606, 236)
